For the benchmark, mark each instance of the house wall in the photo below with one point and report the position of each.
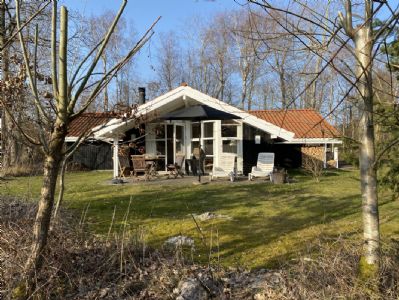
(251, 149)
(94, 156)
(288, 156)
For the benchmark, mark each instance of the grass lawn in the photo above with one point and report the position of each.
(268, 224)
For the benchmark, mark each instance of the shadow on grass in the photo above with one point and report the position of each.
(268, 222)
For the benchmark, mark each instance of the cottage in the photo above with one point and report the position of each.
(290, 134)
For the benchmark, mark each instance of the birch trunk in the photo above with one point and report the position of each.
(368, 176)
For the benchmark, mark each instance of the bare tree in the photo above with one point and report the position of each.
(218, 51)
(13, 149)
(364, 40)
(52, 120)
(358, 29)
(92, 30)
(247, 47)
(169, 62)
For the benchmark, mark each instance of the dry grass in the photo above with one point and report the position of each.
(22, 170)
(333, 272)
(81, 267)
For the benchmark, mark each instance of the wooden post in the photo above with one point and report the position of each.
(116, 159)
(336, 156)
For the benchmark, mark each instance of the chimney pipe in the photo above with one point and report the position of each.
(141, 95)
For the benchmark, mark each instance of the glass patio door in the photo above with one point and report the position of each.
(174, 141)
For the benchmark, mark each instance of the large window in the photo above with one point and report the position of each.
(229, 136)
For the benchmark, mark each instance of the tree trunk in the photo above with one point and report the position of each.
(243, 91)
(52, 162)
(45, 206)
(283, 89)
(105, 104)
(4, 71)
(368, 176)
(10, 137)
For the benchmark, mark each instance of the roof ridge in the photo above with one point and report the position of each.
(103, 114)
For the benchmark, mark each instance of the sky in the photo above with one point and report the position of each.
(142, 13)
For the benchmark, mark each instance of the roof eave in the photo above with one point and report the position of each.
(113, 130)
(312, 141)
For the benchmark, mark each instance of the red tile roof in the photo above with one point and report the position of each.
(87, 121)
(305, 123)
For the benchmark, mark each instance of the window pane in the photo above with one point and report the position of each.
(194, 146)
(169, 129)
(208, 164)
(195, 130)
(229, 131)
(230, 146)
(208, 147)
(179, 132)
(160, 132)
(179, 147)
(208, 129)
(160, 147)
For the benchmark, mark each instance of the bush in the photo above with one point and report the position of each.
(350, 153)
(313, 166)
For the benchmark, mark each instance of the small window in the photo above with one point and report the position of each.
(208, 129)
(160, 132)
(230, 146)
(208, 147)
(195, 130)
(229, 128)
(160, 147)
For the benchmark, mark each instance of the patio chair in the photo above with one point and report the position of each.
(264, 167)
(176, 168)
(225, 167)
(139, 165)
(124, 166)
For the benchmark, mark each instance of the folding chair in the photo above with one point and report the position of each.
(124, 166)
(176, 168)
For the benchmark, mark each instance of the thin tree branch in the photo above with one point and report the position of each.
(96, 59)
(9, 41)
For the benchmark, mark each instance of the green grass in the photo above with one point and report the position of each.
(269, 224)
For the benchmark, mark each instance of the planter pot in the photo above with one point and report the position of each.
(279, 177)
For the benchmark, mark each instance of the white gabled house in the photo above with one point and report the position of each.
(253, 132)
